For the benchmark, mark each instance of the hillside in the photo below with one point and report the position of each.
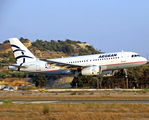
(49, 49)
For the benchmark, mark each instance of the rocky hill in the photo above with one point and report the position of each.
(50, 49)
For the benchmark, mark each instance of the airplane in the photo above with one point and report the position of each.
(87, 65)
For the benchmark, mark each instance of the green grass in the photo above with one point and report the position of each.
(145, 90)
(7, 101)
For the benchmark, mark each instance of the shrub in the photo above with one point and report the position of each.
(74, 93)
(145, 90)
(81, 93)
(45, 109)
(91, 93)
(7, 101)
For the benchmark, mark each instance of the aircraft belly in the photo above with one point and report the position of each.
(56, 72)
(122, 66)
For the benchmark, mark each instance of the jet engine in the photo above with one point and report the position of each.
(96, 70)
(92, 70)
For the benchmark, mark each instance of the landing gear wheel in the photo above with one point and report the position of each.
(75, 79)
(85, 80)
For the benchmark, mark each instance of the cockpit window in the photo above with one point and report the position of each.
(135, 56)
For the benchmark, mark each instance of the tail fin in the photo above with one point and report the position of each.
(21, 53)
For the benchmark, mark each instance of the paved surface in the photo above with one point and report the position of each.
(84, 101)
(60, 90)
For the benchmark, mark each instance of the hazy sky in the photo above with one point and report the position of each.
(109, 25)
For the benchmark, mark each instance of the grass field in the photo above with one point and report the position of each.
(73, 111)
(68, 111)
(74, 97)
(106, 95)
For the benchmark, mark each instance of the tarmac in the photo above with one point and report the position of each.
(84, 101)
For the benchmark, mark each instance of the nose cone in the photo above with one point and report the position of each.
(144, 60)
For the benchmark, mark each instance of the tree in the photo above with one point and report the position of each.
(6, 41)
(12, 60)
(80, 80)
(40, 80)
(21, 39)
(15, 74)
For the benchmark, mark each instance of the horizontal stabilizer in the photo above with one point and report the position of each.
(18, 66)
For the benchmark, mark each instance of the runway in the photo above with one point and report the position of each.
(84, 101)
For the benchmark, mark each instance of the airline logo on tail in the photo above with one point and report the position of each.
(21, 53)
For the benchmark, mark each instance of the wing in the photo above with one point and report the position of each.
(63, 65)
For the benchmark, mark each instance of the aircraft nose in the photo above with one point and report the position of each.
(145, 60)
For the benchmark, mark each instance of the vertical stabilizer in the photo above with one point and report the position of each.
(21, 53)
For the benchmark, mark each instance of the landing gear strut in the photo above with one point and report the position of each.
(126, 77)
(78, 74)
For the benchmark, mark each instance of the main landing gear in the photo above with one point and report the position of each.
(78, 75)
(126, 77)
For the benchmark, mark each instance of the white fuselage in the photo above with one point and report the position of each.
(108, 61)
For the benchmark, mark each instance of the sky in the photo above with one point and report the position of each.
(108, 25)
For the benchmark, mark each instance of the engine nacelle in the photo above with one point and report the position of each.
(92, 70)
